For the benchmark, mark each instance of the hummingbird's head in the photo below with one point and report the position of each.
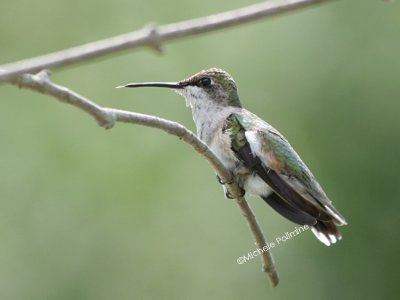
(211, 85)
(214, 85)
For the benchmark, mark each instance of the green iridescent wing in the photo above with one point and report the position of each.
(265, 151)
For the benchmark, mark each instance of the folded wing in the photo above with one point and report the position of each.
(297, 195)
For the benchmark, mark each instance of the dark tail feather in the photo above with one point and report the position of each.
(288, 211)
(326, 232)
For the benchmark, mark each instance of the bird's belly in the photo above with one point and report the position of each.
(250, 182)
(253, 184)
(221, 146)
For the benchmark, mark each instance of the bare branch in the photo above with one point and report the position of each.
(107, 117)
(153, 36)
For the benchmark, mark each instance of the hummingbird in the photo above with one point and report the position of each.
(261, 160)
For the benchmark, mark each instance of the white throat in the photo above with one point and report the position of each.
(207, 114)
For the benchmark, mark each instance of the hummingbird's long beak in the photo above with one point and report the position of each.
(171, 85)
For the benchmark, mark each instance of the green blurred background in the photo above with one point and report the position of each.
(133, 213)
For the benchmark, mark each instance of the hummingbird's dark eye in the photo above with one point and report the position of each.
(205, 81)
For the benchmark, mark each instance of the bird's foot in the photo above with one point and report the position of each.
(226, 191)
(221, 182)
(230, 196)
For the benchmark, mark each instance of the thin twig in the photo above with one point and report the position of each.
(153, 36)
(107, 117)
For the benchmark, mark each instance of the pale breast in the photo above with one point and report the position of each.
(221, 145)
